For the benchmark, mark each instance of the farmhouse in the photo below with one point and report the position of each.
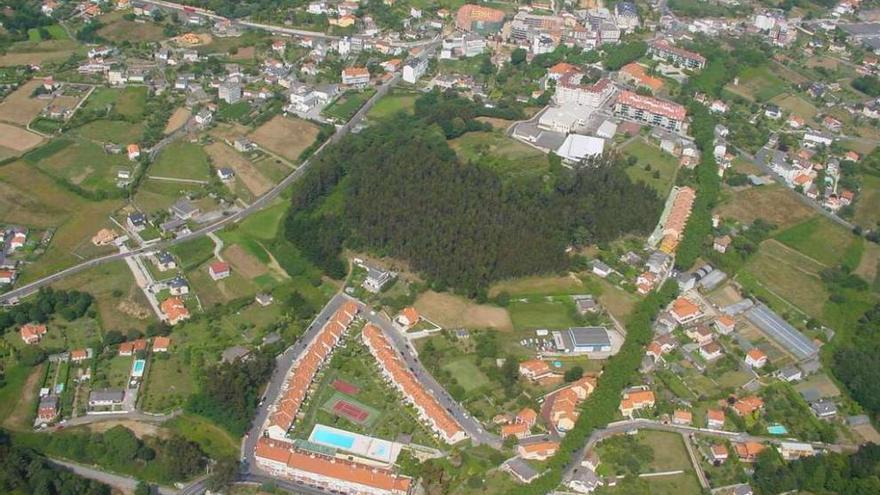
(134, 151)
(748, 451)
(79, 355)
(534, 369)
(161, 344)
(132, 347)
(684, 311)
(174, 310)
(725, 324)
(756, 358)
(219, 270)
(715, 419)
(106, 397)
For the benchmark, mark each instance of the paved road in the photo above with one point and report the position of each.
(283, 363)
(762, 159)
(124, 483)
(470, 425)
(230, 218)
(621, 427)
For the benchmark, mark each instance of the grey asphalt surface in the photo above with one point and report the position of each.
(471, 426)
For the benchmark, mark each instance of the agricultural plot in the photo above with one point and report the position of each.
(284, 136)
(450, 311)
(787, 276)
(795, 104)
(775, 204)
(17, 139)
(53, 32)
(182, 160)
(154, 195)
(758, 84)
(466, 373)
(537, 313)
(539, 285)
(867, 205)
(818, 238)
(128, 102)
(112, 131)
(119, 301)
(169, 383)
(177, 119)
(654, 167)
(224, 156)
(29, 52)
(117, 29)
(85, 165)
(19, 108)
(391, 104)
(30, 197)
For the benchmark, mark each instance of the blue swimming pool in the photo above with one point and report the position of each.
(776, 430)
(138, 368)
(336, 439)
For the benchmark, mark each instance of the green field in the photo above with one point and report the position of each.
(193, 253)
(55, 32)
(663, 166)
(84, 164)
(541, 286)
(129, 102)
(867, 205)
(758, 84)
(182, 160)
(787, 276)
(235, 111)
(466, 373)
(169, 383)
(344, 108)
(155, 195)
(540, 313)
(113, 131)
(818, 238)
(215, 441)
(499, 152)
(11, 392)
(46, 126)
(391, 104)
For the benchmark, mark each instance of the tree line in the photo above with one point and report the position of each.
(856, 474)
(48, 302)
(398, 189)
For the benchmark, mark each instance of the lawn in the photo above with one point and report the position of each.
(193, 253)
(182, 160)
(169, 383)
(215, 441)
(556, 313)
(55, 32)
(391, 104)
(132, 102)
(112, 372)
(818, 238)
(663, 166)
(17, 393)
(113, 131)
(153, 195)
(539, 285)
(234, 111)
(101, 97)
(669, 450)
(466, 373)
(795, 104)
(679, 484)
(499, 152)
(344, 107)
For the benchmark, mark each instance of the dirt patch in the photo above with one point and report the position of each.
(496, 123)
(868, 432)
(452, 311)
(27, 58)
(275, 266)
(186, 40)
(725, 296)
(774, 204)
(19, 108)
(133, 309)
(18, 139)
(286, 137)
(228, 132)
(25, 406)
(224, 156)
(139, 429)
(244, 263)
(178, 118)
(867, 268)
(244, 53)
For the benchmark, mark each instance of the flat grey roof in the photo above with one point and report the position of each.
(522, 469)
(589, 336)
(779, 330)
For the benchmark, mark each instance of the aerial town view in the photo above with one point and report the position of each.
(429, 247)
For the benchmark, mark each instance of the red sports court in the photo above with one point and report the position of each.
(350, 411)
(345, 387)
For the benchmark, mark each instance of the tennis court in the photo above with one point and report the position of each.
(345, 387)
(347, 408)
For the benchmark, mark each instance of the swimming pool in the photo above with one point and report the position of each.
(332, 438)
(776, 430)
(138, 369)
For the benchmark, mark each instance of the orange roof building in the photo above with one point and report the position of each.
(534, 369)
(131, 347)
(161, 344)
(637, 73)
(715, 419)
(684, 311)
(408, 317)
(518, 430)
(481, 19)
(673, 227)
(748, 451)
(331, 473)
(636, 401)
(748, 405)
(302, 372)
(31, 333)
(538, 451)
(78, 355)
(682, 417)
(174, 310)
(397, 372)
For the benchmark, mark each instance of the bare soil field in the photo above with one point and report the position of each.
(774, 204)
(495, 122)
(243, 262)
(177, 119)
(24, 406)
(224, 156)
(244, 53)
(118, 29)
(19, 108)
(869, 263)
(286, 137)
(44, 51)
(868, 432)
(451, 311)
(17, 138)
(139, 429)
(229, 132)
